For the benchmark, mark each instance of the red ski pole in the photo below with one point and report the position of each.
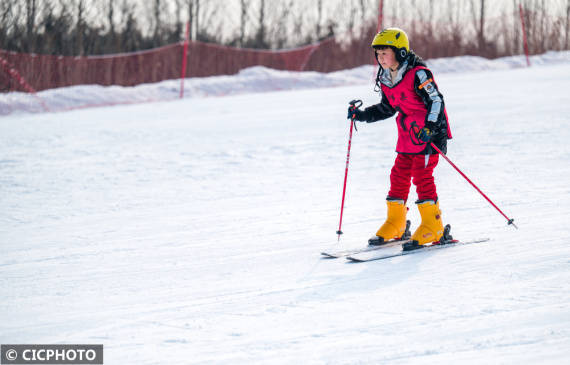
(509, 220)
(354, 104)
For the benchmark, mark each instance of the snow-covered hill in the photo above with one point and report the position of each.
(189, 231)
(252, 80)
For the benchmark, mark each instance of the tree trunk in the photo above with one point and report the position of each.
(157, 24)
(80, 28)
(319, 18)
(110, 13)
(567, 23)
(243, 20)
(197, 18)
(260, 36)
(30, 24)
(482, 50)
(190, 4)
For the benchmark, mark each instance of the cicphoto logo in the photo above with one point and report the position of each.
(51, 354)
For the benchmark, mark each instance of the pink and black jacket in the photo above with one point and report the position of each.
(416, 98)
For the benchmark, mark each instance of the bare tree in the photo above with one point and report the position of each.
(109, 9)
(157, 9)
(130, 39)
(243, 20)
(566, 44)
(110, 15)
(179, 28)
(481, 37)
(260, 34)
(31, 9)
(211, 16)
(516, 27)
(431, 17)
(197, 18)
(190, 12)
(543, 30)
(102, 26)
(80, 27)
(298, 24)
(319, 18)
(478, 16)
(363, 11)
(279, 33)
(207, 13)
(6, 16)
(454, 28)
(351, 18)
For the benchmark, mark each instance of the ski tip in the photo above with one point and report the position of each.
(326, 255)
(486, 239)
(351, 259)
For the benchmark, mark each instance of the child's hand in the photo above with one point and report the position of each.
(357, 114)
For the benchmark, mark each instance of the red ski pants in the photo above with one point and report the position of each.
(417, 168)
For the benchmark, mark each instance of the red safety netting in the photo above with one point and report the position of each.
(42, 72)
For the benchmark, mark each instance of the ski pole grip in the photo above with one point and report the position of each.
(354, 104)
(357, 103)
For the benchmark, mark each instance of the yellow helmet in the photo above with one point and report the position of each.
(393, 37)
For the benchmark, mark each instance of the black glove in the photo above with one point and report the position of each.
(425, 135)
(360, 115)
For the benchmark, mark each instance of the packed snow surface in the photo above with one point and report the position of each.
(190, 231)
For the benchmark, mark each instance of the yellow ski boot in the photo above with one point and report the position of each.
(395, 226)
(431, 228)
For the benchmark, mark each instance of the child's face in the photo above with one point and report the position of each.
(387, 58)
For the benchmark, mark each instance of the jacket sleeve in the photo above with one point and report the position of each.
(380, 111)
(426, 88)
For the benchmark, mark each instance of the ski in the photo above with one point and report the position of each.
(374, 244)
(369, 248)
(373, 256)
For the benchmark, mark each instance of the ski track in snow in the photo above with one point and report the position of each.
(190, 231)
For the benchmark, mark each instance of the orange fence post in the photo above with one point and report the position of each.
(524, 36)
(184, 60)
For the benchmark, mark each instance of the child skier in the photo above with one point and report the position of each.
(407, 87)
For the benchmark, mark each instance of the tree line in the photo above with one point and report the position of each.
(436, 27)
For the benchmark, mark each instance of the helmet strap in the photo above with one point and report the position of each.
(377, 86)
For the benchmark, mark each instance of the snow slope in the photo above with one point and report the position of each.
(189, 231)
